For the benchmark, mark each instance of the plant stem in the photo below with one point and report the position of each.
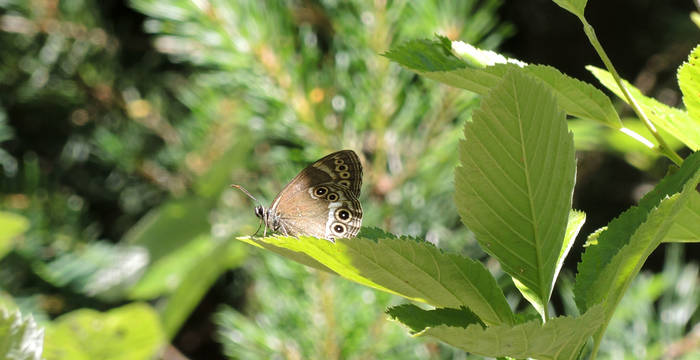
(662, 147)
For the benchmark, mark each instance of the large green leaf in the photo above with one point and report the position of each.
(20, 339)
(559, 338)
(675, 121)
(11, 225)
(689, 82)
(619, 231)
(130, 332)
(414, 269)
(515, 182)
(484, 70)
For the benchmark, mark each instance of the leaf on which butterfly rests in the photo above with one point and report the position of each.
(515, 182)
(559, 338)
(674, 121)
(411, 268)
(20, 338)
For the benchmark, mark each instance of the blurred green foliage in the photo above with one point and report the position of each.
(118, 148)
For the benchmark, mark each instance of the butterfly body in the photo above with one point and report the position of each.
(322, 201)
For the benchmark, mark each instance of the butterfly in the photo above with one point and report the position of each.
(322, 201)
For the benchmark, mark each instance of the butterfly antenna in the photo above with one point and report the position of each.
(241, 188)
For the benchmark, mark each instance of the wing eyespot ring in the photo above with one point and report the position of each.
(344, 175)
(332, 197)
(339, 229)
(343, 215)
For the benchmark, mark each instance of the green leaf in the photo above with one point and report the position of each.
(223, 255)
(627, 262)
(20, 339)
(687, 226)
(426, 55)
(130, 332)
(166, 274)
(559, 338)
(515, 182)
(414, 269)
(689, 82)
(576, 7)
(573, 226)
(99, 269)
(674, 121)
(619, 231)
(576, 97)
(488, 68)
(170, 226)
(418, 319)
(11, 226)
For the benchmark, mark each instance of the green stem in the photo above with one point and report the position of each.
(662, 147)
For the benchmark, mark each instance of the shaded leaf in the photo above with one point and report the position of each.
(418, 319)
(559, 338)
(624, 266)
(515, 182)
(619, 231)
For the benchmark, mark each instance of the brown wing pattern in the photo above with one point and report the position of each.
(322, 201)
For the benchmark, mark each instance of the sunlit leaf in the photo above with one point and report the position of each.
(689, 82)
(575, 97)
(20, 339)
(130, 332)
(675, 121)
(407, 267)
(515, 182)
(11, 225)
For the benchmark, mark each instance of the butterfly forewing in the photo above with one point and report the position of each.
(321, 201)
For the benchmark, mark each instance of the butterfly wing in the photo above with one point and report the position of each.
(322, 201)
